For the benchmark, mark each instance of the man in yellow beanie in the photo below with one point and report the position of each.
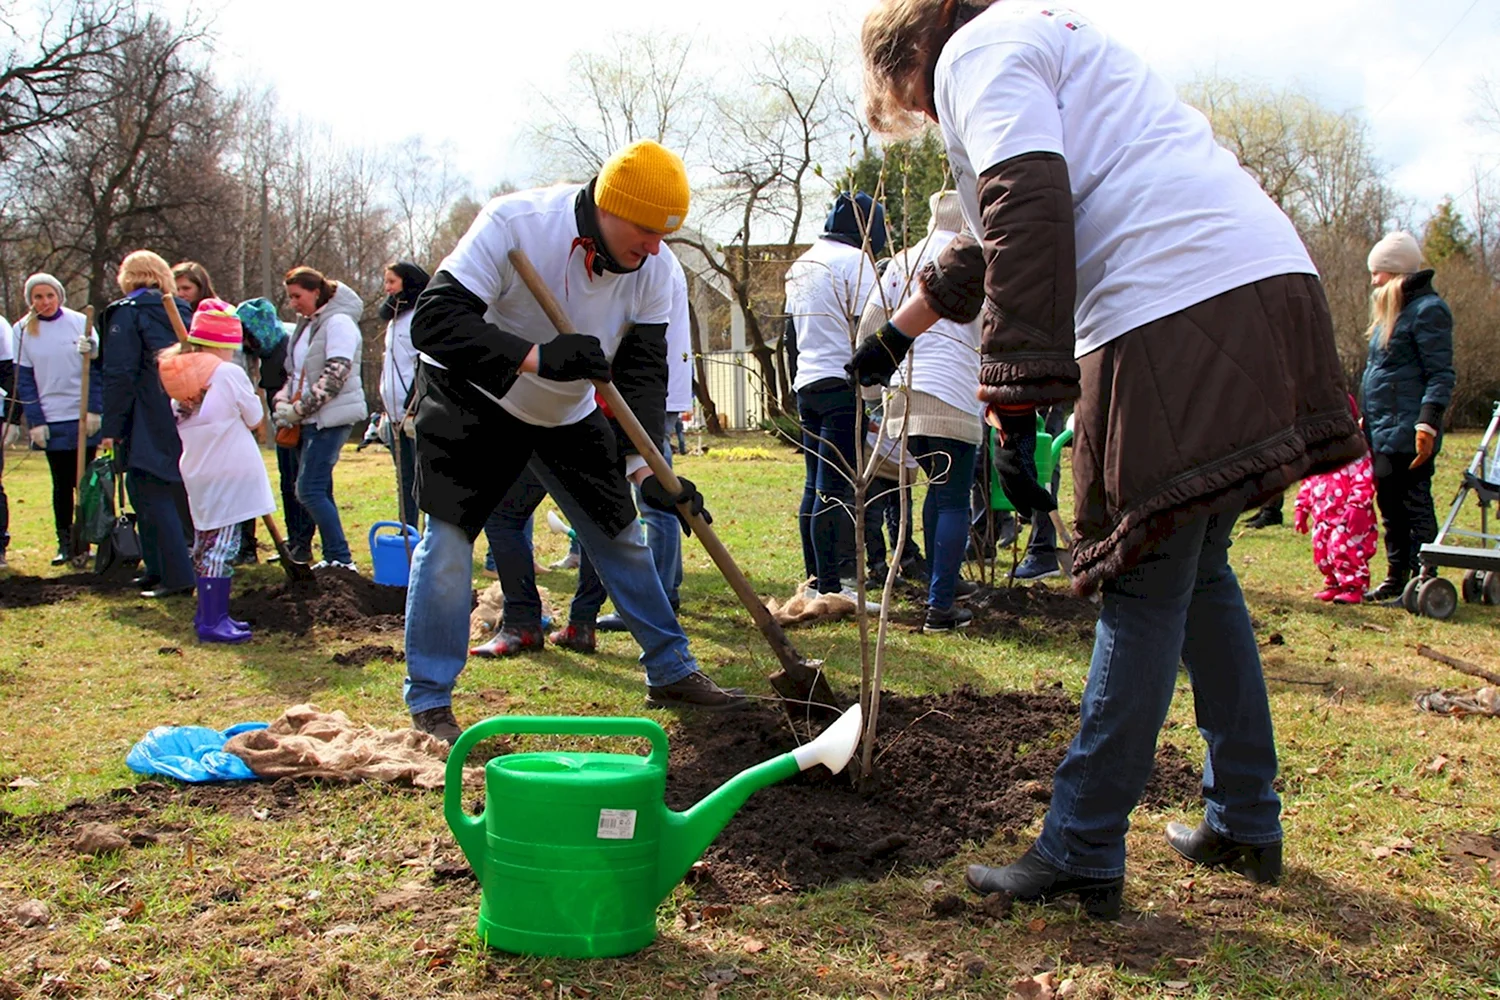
(500, 393)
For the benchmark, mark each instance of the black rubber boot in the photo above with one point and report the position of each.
(1266, 517)
(1031, 878)
(1389, 591)
(1257, 862)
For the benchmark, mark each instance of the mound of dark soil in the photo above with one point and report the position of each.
(338, 598)
(955, 768)
(360, 655)
(1025, 612)
(135, 808)
(36, 591)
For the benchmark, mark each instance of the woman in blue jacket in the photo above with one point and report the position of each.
(52, 347)
(139, 424)
(1407, 385)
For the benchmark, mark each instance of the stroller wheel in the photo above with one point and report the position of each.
(1473, 587)
(1437, 598)
(1489, 590)
(1409, 595)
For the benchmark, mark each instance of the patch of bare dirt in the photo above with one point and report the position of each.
(36, 591)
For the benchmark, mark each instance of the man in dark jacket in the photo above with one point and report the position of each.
(499, 392)
(138, 423)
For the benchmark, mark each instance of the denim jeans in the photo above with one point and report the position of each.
(160, 507)
(299, 524)
(949, 465)
(438, 602)
(663, 538)
(829, 413)
(1181, 604)
(508, 531)
(321, 447)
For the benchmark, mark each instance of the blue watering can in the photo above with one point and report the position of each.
(390, 554)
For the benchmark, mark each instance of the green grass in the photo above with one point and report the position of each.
(227, 904)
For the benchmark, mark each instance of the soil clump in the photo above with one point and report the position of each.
(36, 591)
(338, 599)
(360, 655)
(1029, 613)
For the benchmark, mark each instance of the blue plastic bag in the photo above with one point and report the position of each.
(191, 753)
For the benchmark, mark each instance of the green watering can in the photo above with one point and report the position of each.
(574, 851)
(1048, 455)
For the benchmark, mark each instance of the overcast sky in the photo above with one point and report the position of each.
(468, 73)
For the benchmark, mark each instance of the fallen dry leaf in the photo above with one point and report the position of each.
(1037, 926)
(753, 946)
(1436, 764)
(24, 782)
(1177, 985)
(715, 911)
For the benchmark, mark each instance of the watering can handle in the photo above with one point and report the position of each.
(375, 528)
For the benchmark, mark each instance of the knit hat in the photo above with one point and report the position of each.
(1398, 253)
(947, 214)
(262, 326)
(216, 325)
(43, 278)
(850, 216)
(647, 184)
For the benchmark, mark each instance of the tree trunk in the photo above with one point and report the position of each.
(700, 376)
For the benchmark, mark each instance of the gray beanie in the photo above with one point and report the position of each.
(43, 278)
(1398, 253)
(947, 214)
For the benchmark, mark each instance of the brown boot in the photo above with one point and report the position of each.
(696, 690)
(438, 722)
(577, 636)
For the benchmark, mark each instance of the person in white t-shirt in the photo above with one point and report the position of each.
(218, 418)
(1121, 258)
(499, 391)
(826, 289)
(10, 425)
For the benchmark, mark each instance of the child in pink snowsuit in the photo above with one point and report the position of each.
(1341, 508)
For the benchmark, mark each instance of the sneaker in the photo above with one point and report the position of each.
(349, 566)
(299, 553)
(1037, 567)
(696, 690)
(947, 619)
(576, 636)
(510, 640)
(438, 722)
(3, 563)
(965, 589)
(611, 623)
(569, 561)
(848, 590)
(247, 556)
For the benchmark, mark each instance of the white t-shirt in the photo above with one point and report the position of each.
(604, 306)
(679, 347)
(826, 289)
(944, 361)
(7, 351)
(399, 367)
(343, 339)
(221, 464)
(1164, 218)
(52, 355)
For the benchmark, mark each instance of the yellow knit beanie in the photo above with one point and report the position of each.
(644, 183)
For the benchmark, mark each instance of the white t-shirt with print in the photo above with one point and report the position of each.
(221, 464)
(826, 289)
(944, 361)
(604, 306)
(1164, 217)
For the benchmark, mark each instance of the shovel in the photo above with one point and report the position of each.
(800, 680)
(78, 545)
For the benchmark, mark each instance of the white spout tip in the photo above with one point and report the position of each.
(835, 746)
(555, 524)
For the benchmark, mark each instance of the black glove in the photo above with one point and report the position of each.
(878, 356)
(569, 357)
(654, 492)
(1015, 463)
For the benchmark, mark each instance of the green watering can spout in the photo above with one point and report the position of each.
(686, 835)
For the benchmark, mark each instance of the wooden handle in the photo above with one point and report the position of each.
(174, 317)
(83, 401)
(791, 661)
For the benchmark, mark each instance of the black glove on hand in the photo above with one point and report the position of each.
(572, 356)
(1015, 463)
(878, 356)
(654, 492)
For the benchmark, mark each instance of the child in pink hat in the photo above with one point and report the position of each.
(219, 417)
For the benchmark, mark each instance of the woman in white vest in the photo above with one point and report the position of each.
(323, 396)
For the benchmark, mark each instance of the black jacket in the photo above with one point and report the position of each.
(137, 412)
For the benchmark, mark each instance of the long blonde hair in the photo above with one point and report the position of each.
(1385, 309)
(901, 41)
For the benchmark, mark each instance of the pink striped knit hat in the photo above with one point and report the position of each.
(216, 325)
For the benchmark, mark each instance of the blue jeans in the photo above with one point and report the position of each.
(438, 602)
(828, 411)
(949, 465)
(299, 525)
(1180, 604)
(159, 510)
(508, 531)
(663, 538)
(321, 447)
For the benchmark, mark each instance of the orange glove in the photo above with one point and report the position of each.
(1426, 440)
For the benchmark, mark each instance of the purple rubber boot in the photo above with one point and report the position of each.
(213, 622)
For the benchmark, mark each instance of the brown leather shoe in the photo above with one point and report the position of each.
(575, 636)
(696, 690)
(438, 722)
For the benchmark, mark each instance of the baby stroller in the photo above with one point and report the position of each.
(1429, 594)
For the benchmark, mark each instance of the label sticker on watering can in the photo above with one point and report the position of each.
(616, 824)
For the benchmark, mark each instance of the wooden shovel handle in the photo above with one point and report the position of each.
(83, 402)
(174, 317)
(791, 661)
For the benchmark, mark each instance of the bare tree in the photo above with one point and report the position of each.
(424, 187)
